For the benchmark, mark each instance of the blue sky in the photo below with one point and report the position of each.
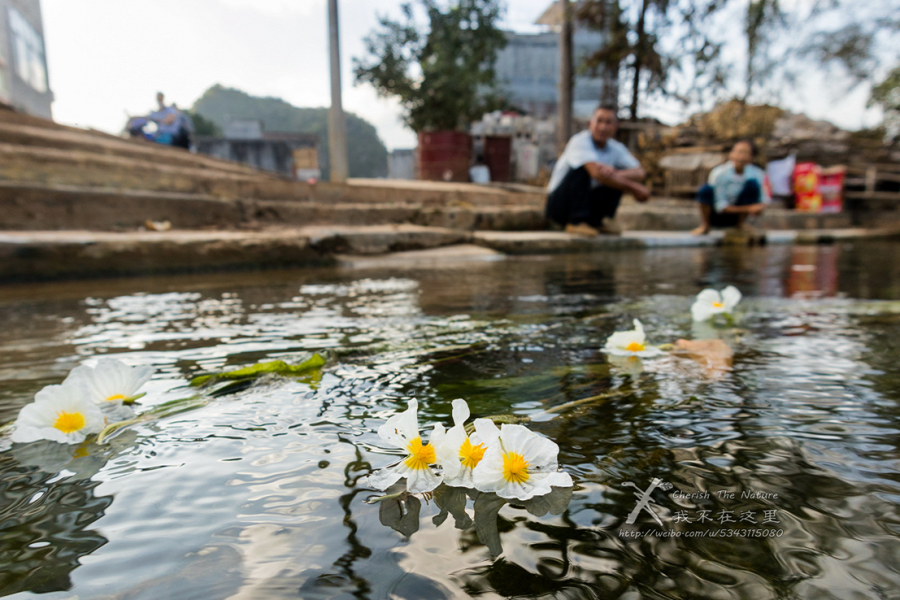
(108, 58)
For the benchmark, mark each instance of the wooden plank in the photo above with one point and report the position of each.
(871, 172)
(889, 196)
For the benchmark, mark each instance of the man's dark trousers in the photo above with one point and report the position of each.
(575, 200)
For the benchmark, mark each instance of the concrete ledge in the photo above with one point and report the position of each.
(79, 254)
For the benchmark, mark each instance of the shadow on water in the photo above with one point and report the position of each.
(773, 477)
(48, 503)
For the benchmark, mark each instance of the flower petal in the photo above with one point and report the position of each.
(446, 448)
(401, 428)
(384, 478)
(702, 311)
(730, 297)
(488, 432)
(460, 411)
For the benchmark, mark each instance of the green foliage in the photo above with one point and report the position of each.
(204, 126)
(367, 154)
(635, 31)
(887, 95)
(763, 19)
(785, 41)
(444, 78)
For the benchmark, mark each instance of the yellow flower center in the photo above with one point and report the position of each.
(116, 397)
(515, 468)
(718, 305)
(471, 455)
(419, 456)
(69, 422)
(634, 347)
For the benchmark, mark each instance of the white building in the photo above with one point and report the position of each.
(528, 70)
(24, 84)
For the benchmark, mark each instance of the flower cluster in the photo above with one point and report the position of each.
(709, 303)
(511, 461)
(88, 399)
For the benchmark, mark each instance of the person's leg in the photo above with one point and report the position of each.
(705, 198)
(570, 203)
(749, 196)
(606, 201)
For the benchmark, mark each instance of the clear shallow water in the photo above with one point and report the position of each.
(261, 494)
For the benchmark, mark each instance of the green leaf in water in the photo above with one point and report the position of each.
(276, 367)
(451, 501)
(401, 514)
(487, 507)
(554, 503)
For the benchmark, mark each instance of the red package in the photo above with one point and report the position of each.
(806, 187)
(831, 189)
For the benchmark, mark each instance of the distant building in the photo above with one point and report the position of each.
(23, 61)
(402, 164)
(293, 154)
(528, 70)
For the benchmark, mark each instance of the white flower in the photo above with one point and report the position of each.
(109, 384)
(59, 413)
(420, 464)
(630, 343)
(710, 303)
(462, 452)
(518, 463)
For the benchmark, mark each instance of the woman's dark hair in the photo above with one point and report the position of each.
(749, 142)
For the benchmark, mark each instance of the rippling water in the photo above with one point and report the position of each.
(261, 494)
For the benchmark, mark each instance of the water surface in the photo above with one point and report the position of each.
(261, 493)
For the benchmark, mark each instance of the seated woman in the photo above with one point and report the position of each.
(734, 191)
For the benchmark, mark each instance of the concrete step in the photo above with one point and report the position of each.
(30, 206)
(33, 136)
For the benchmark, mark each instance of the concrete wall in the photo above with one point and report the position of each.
(21, 94)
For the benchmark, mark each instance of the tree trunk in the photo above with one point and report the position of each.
(638, 60)
(564, 128)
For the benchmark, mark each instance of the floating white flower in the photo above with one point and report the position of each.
(710, 303)
(518, 463)
(459, 448)
(110, 384)
(59, 413)
(630, 343)
(420, 464)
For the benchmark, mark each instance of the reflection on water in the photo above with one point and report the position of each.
(261, 494)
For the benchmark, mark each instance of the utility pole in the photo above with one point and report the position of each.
(337, 122)
(564, 127)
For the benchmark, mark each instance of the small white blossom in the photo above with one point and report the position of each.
(710, 303)
(59, 413)
(518, 463)
(463, 452)
(420, 466)
(630, 343)
(109, 384)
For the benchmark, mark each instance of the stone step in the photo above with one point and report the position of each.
(33, 136)
(29, 206)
